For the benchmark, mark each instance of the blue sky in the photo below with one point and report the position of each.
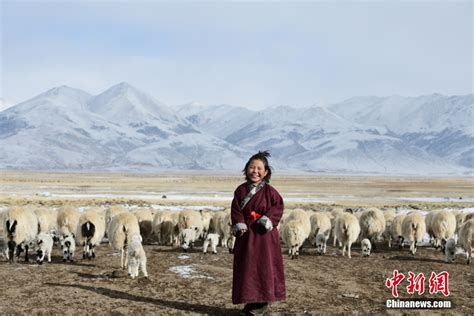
(252, 54)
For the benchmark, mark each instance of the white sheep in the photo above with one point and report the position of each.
(443, 227)
(90, 231)
(136, 257)
(68, 246)
(145, 222)
(460, 218)
(293, 235)
(163, 227)
(466, 238)
(20, 229)
(217, 226)
(347, 230)
(44, 248)
(320, 224)
(428, 220)
(68, 220)
(366, 247)
(122, 227)
(372, 225)
(301, 216)
(396, 231)
(226, 228)
(212, 239)
(47, 220)
(413, 229)
(206, 217)
(335, 212)
(111, 212)
(295, 231)
(389, 216)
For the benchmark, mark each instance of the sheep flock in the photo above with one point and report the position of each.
(126, 229)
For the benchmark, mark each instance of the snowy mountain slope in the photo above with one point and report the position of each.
(423, 114)
(124, 128)
(56, 130)
(218, 120)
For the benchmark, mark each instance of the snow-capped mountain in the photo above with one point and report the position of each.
(124, 128)
(4, 104)
(66, 128)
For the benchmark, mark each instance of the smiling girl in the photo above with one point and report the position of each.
(257, 207)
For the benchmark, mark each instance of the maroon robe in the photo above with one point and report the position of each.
(258, 263)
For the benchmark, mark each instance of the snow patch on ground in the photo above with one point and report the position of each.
(188, 272)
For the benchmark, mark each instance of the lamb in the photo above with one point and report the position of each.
(187, 237)
(145, 222)
(321, 243)
(396, 231)
(465, 240)
(295, 231)
(122, 227)
(68, 220)
(47, 220)
(44, 244)
(90, 231)
(68, 246)
(413, 229)
(450, 250)
(366, 247)
(190, 219)
(347, 230)
(20, 228)
(428, 220)
(136, 256)
(443, 227)
(212, 239)
(372, 225)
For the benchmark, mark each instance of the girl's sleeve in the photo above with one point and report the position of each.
(237, 218)
(275, 212)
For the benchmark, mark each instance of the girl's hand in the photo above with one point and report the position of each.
(241, 232)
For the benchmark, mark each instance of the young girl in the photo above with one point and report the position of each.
(257, 207)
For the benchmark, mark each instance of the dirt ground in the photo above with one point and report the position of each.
(315, 284)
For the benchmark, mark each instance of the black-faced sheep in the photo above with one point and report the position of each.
(90, 231)
(20, 229)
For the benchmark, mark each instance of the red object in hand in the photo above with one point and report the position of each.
(254, 215)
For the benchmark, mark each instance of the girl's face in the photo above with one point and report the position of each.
(256, 171)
